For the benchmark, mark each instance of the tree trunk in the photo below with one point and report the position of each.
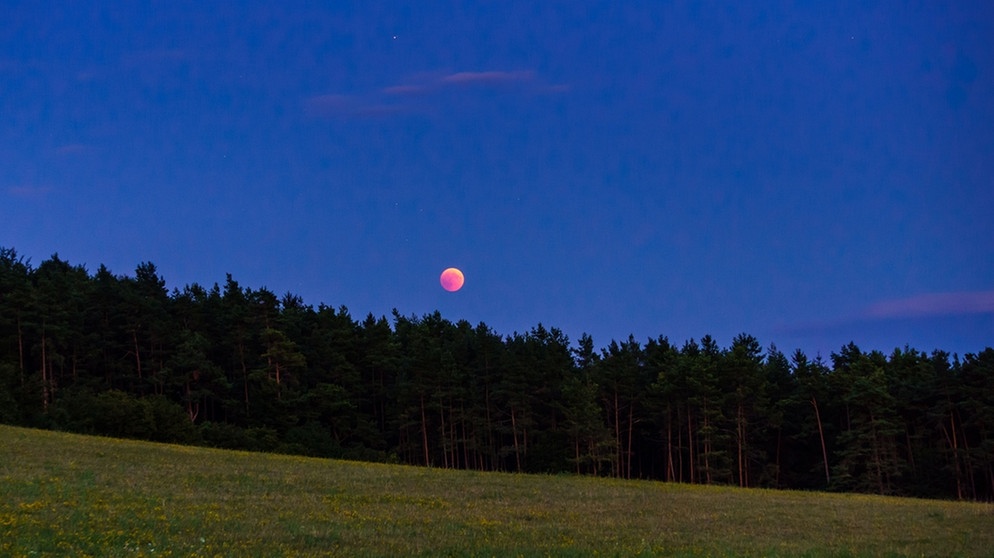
(491, 443)
(245, 378)
(466, 459)
(740, 443)
(911, 452)
(514, 433)
(444, 435)
(424, 432)
(679, 447)
(192, 409)
(968, 465)
(670, 477)
(44, 372)
(20, 349)
(707, 446)
(138, 359)
(619, 447)
(821, 436)
(951, 440)
(690, 444)
(776, 466)
(877, 450)
(631, 428)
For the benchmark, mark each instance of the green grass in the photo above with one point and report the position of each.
(64, 494)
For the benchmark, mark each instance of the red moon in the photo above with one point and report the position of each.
(451, 279)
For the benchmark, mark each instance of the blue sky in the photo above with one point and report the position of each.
(810, 174)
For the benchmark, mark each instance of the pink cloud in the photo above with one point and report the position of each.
(347, 106)
(491, 77)
(426, 83)
(328, 105)
(27, 191)
(405, 89)
(934, 304)
(154, 56)
(383, 101)
(377, 110)
(72, 148)
(559, 88)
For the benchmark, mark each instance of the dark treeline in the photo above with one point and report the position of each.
(242, 368)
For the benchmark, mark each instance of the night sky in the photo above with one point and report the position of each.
(810, 173)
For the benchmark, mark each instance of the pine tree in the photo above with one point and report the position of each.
(868, 457)
(743, 375)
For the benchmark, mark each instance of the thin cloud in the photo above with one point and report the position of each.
(349, 106)
(933, 304)
(406, 89)
(72, 149)
(328, 101)
(428, 83)
(329, 105)
(28, 191)
(558, 88)
(379, 110)
(487, 78)
(423, 87)
(155, 56)
(928, 305)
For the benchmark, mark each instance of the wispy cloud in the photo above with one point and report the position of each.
(428, 83)
(348, 105)
(72, 149)
(487, 78)
(926, 305)
(387, 100)
(327, 105)
(28, 191)
(155, 56)
(933, 304)
(406, 89)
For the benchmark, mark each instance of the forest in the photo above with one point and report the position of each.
(242, 368)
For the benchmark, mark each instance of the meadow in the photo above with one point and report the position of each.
(71, 495)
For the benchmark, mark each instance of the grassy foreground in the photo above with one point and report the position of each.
(64, 494)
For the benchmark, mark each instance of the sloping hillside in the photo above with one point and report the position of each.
(66, 494)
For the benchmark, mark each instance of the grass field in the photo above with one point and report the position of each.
(68, 495)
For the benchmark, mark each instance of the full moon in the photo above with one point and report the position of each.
(451, 279)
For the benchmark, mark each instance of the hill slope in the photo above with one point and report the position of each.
(68, 494)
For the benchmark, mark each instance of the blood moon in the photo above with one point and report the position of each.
(451, 279)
